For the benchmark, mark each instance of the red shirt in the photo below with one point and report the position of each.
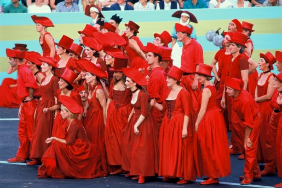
(227, 58)
(219, 57)
(249, 41)
(246, 108)
(192, 55)
(157, 87)
(25, 80)
(238, 64)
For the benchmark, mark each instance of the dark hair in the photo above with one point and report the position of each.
(134, 32)
(69, 86)
(208, 78)
(38, 67)
(97, 78)
(123, 78)
(95, 54)
(242, 49)
(160, 58)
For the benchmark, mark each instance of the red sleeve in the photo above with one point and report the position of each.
(243, 63)
(143, 103)
(71, 64)
(199, 55)
(154, 86)
(29, 79)
(186, 102)
(72, 132)
(217, 55)
(55, 86)
(248, 118)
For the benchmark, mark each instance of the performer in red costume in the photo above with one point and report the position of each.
(162, 39)
(144, 154)
(96, 113)
(248, 118)
(26, 85)
(134, 49)
(46, 40)
(264, 92)
(157, 87)
(211, 129)
(118, 110)
(175, 133)
(73, 156)
(166, 62)
(45, 112)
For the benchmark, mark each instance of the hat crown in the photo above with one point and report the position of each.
(278, 56)
(133, 25)
(69, 75)
(120, 62)
(183, 29)
(42, 20)
(65, 42)
(49, 60)
(135, 76)
(239, 38)
(109, 27)
(70, 104)
(75, 48)
(92, 43)
(20, 47)
(153, 48)
(103, 39)
(33, 57)
(234, 83)
(88, 66)
(88, 30)
(247, 25)
(238, 25)
(269, 58)
(204, 69)
(175, 73)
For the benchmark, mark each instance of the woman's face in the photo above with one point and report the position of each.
(184, 19)
(129, 83)
(39, 27)
(201, 78)
(118, 75)
(93, 14)
(62, 83)
(60, 50)
(83, 74)
(65, 114)
(263, 65)
(89, 52)
(45, 67)
(109, 60)
(127, 31)
(80, 38)
(170, 81)
(89, 78)
(277, 84)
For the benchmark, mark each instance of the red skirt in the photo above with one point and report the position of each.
(9, 97)
(213, 140)
(60, 126)
(79, 160)
(279, 148)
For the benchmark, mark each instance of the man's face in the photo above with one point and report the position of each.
(279, 66)
(14, 1)
(233, 48)
(232, 27)
(150, 58)
(225, 41)
(158, 42)
(12, 62)
(180, 36)
(114, 23)
(68, 1)
(83, 94)
(120, 2)
(230, 91)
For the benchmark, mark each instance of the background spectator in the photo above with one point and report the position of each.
(54, 3)
(15, 7)
(193, 4)
(269, 3)
(67, 6)
(121, 5)
(92, 2)
(106, 4)
(257, 2)
(144, 5)
(242, 4)
(38, 7)
(220, 4)
(132, 2)
(167, 5)
(30, 2)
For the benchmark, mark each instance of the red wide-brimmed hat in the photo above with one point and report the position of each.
(133, 26)
(109, 27)
(239, 38)
(278, 56)
(81, 88)
(238, 25)
(104, 40)
(69, 75)
(269, 58)
(278, 76)
(80, 62)
(248, 26)
(71, 104)
(192, 17)
(33, 57)
(88, 30)
(204, 70)
(152, 48)
(88, 66)
(49, 60)
(20, 47)
(135, 75)
(234, 83)
(42, 20)
(94, 8)
(15, 53)
(113, 51)
(183, 29)
(92, 43)
(76, 49)
(65, 42)
(175, 73)
(166, 53)
(165, 37)
(118, 40)
(120, 63)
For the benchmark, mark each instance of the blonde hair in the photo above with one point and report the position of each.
(73, 116)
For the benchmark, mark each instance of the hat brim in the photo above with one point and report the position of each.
(163, 40)
(203, 74)
(261, 55)
(177, 14)
(275, 76)
(132, 28)
(238, 42)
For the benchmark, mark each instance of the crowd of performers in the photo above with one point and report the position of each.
(114, 106)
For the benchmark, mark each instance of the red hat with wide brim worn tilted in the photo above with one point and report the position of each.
(33, 57)
(42, 20)
(135, 75)
(49, 60)
(71, 104)
(92, 43)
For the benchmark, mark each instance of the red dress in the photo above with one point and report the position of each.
(144, 154)
(213, 140)
(265, 112)
(9, 97)
(44, 121)
(45, 48)
(75, 159)
(95, 127)
(117, 118)
(174, 161)
(60, 125)
(135, 60)
(279, 146)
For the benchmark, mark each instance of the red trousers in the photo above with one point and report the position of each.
(270, 160)
(251, 164)
(25, 129)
